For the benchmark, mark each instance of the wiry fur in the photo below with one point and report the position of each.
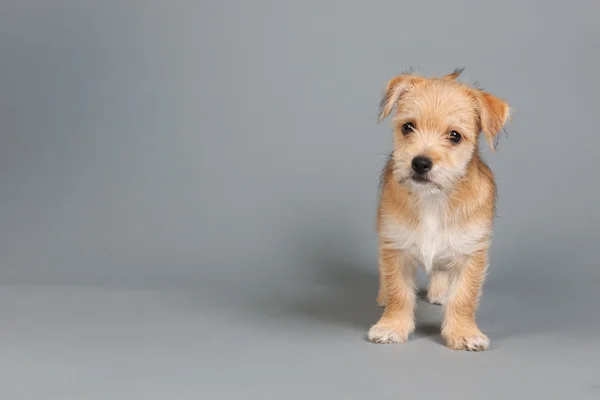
(443, 225)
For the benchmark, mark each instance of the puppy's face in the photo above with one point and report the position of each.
(437, 127)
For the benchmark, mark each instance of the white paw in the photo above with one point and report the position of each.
(385, 333)
(470, 342)
(437, 300)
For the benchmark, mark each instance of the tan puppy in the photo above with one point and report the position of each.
(436, 206)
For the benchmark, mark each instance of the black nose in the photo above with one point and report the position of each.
(421, 164)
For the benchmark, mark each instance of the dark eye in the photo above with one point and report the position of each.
(407, 128)
(455, 137)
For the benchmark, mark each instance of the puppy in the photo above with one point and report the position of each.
(436, 205)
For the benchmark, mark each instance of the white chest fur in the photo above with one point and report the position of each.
(438, 239)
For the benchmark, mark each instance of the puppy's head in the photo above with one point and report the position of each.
(437, 126)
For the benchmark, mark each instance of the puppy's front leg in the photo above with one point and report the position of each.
(459, 329)
(397, 275)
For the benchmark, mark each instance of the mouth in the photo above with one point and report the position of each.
(420, 179)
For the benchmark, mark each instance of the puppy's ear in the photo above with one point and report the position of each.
(395, 88)
(493, 113)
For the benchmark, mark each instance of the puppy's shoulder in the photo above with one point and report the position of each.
(486, 174)
(476, 197)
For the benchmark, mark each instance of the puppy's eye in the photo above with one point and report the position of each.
(407, 128)
(455, 137)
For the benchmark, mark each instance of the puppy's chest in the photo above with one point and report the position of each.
(436, 240)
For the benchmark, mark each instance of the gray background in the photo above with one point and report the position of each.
(188, 194)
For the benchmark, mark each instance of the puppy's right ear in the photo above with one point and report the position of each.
(395, 88)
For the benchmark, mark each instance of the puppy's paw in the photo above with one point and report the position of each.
(469, 341)
(437, 292)
(390, 333)
(438, 300)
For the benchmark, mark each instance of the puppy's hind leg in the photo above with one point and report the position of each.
(437, 291)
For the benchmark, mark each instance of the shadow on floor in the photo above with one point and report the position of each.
(339, 288)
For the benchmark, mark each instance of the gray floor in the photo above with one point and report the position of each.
(223, 341)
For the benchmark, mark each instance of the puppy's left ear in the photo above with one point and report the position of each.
(493, 113)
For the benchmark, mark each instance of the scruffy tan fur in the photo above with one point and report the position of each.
(443, 224)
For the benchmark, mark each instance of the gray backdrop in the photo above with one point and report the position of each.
(188, 194)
